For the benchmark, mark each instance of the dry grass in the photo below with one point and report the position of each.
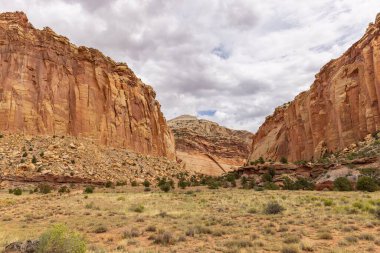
(205, 221)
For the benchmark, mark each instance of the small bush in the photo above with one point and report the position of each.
(151, 229)
(284, 160)
(164, 185)
(273, 208)
(44, 188)
(88, 190)
(164, 238)
(134, 183)
(100, 230)
(25, 154)
(342, 184)
(213, 185)
(1, 136)
(17, 192)
(267, 177)
(146, 183)
(377, 213)
(134, 232)
(64, 189)
(271, 186)
(327, 202)
(137, 208)
(147, 189)
(289, 249)
(325, 236)
(34, 160)
(108, 184)
(182, 184)
(59, 239)
(291, 239)
(367, 184)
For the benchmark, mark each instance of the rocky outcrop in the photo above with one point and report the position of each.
(60, 159)
(341, 107)
(208, 148)
(50, 86)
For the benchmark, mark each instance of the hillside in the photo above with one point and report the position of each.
(207, 147)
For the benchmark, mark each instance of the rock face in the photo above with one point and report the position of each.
(341, 107)
(208, 148)
(48, 86)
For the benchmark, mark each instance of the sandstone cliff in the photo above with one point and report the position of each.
(208, 148)
(48, 86)
(341, 107)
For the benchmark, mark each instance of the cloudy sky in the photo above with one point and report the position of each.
(230, 61)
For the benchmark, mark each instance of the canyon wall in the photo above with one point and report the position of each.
(341, 107)
(48, 86)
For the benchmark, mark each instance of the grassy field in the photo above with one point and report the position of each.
(199, 220)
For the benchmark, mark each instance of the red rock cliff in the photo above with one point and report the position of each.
(50, 86)
(341, 107)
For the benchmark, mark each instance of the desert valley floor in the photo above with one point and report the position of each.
(127, 219)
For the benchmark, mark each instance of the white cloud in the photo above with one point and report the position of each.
(241, 58)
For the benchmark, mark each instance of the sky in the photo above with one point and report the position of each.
(229, 61)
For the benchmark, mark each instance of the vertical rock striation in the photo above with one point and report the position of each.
(341, 107)
(50, 86)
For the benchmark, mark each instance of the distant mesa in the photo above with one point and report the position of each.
(207, 147)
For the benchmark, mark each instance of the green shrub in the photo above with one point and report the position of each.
(327, 202)
(44, 188)
(300, 184)
(25, 154)
(270, 186)
(134, 183)
(273, 208)
(289, 249)
(342, 184)
(101, 229)
(17, 192)
(59, 239)
(164, 238)
(366, 184)
(146, 183)
(121, 183)
(64, 189)
(165, 187)
(213, 185)
(137, 208)
(377, 213)
(88, 190)
(182, 184)
(108, 184)
(34, 160)
(284, 160)
(266, 177)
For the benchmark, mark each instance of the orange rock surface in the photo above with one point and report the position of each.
(50, 86)
(341, 107)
